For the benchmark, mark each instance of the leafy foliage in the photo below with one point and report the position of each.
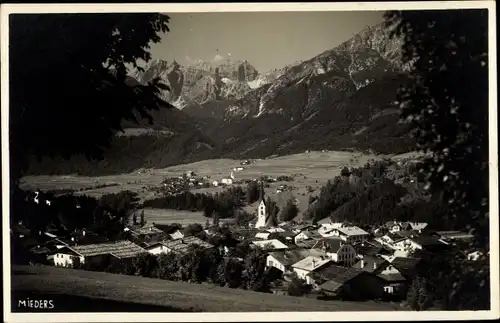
(85, 92)
(289, 212)
(447, 105)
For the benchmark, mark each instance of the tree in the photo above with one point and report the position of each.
(215, 221)
(255, 271)
(134, 218)
(143, 220)
(252, 193)
(289, 212)
(446, 101)
(345, 171)
(418, 298)
(297, 287)
(85, 93)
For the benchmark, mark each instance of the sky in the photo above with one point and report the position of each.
(266, 40)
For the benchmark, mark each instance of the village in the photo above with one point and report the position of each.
(331, 260)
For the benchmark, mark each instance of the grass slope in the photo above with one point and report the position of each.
(173, 296)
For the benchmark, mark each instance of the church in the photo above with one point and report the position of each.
(264, 219)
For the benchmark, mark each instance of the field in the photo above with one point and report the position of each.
(171, 296)
(308, 169)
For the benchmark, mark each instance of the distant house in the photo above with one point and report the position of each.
(179, 246)
(275, 230)
(338, 250)
(176, 235)
(96, 252)
(270, 245)
(308, 265)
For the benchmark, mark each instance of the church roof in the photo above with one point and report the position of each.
(271, 221)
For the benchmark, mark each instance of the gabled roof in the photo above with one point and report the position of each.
(352, 231)
(271, 221)
(336, 277)
(311, 263)
(307, 244)
(405, 265)
(427, 241)
(368, 263)
(276, 244)
(290, 257)
(392, 277)
(182, 245)
(119, 249)
(331, 244)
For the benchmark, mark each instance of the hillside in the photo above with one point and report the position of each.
(172, 296)
(340, 99)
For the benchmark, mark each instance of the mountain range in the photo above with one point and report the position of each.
(342, 98)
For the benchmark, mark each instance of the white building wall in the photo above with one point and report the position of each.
(302, 274)
(158, 250)
(273, 262)
(65, 260)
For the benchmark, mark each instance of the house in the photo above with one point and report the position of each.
(309, 265)
(392, 280)
(95, 252)
(264, 218)
(338, 250)
(176, 235)
(350, 234)
(388, 239)
(406, 266)
(285, 236)
(372, 248)
(227, 181)
(270, 245)
(452, 236)
(303, 227)
(306, 244)
(180, 246)
(347, 282)
(407, 246)
(283, 260)
(418, 226)
(79, 237)
(307, 235)
(395, 226)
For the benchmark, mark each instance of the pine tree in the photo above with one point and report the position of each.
(143, 220)
(134, 218)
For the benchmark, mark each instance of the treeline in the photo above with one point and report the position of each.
(129, 153)
(196, 266)
(374, 194)
(225, 204)
(107, 215)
